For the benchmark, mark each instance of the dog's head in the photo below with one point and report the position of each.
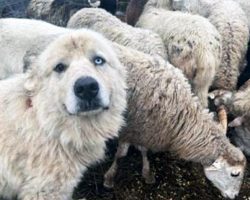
(79, 74)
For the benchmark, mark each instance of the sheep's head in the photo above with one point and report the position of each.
(227, 174)
(227, 171)
(241, 134)
(221, 97)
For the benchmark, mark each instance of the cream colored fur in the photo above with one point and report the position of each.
(45, 149)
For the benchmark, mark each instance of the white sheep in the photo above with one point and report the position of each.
(15, 42)
(238, 106)
(245, 5)
(231, 22)
(193, 44)
(117, 31)
(164, 116)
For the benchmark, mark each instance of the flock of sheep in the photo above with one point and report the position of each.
(177, 54)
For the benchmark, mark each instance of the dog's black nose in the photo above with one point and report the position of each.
(86, 88)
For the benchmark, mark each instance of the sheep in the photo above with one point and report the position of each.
(56, 12)
(245, 75)
(117, 31)
(135, 8)
(231, 22)
(237, 104)
(193, 44)
(163, 115)
(16, 37)
(53, 11)
(241, 134)
(245, 5)
(161, 109)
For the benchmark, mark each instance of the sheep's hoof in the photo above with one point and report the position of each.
(149, 178)
(108, 183)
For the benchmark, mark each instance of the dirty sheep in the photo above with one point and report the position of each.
(164, 116)
(193, 44)
(231, 22)
(58, 12)
(237, 104)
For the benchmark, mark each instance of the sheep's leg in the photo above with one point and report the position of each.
(122, 151)
(201, 86)
(203, 95)
(146, 172)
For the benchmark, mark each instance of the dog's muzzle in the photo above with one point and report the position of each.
(87, 90)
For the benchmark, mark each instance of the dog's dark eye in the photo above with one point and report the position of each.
(59, 68)
(99, 60)
(235, 174)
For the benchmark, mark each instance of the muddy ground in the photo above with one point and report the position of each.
(175, 180)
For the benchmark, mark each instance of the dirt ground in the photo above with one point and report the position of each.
(175, 180)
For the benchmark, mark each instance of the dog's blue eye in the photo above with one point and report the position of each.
(99, 60)
(59, 68)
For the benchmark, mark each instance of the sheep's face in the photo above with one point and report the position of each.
(226, 177)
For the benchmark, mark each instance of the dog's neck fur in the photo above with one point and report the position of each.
(76, 134)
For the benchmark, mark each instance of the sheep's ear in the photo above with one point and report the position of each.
(217, 164)
(236, 122)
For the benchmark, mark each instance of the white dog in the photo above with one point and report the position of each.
(56, 118)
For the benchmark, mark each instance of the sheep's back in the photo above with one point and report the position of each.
(111, 27)
(187, 38)
(231, 22)
(162, 112)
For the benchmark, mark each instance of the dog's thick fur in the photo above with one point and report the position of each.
(45, 147)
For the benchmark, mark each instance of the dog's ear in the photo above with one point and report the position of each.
(33, 81)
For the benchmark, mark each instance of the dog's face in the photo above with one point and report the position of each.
(82, 73)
